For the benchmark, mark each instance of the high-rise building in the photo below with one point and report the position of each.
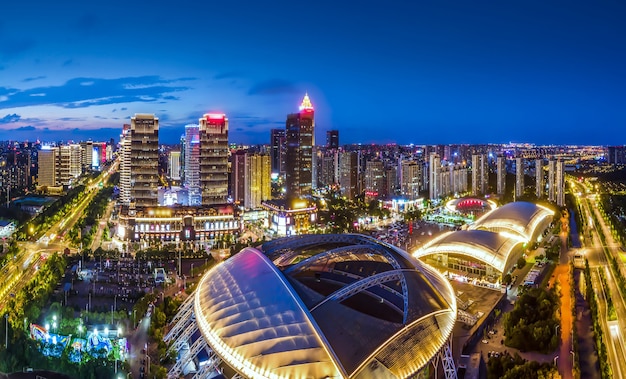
(480, 174)
(374, 174)
(174, 165)
(47, 172)
(300, 139)
(332, 139)
(258, 180)
(144, 161)
(238, 176)
(434, 167)
(87, 154)
(125, 173)
(69, 163)
(616, 155)
(551, 179)
(327, 162)
(277, 150)
(539, 182)
(348, 174)
(214, 158)
(192, 163)
(411, 175)
(501, 174)
(519, 177)
(560, 183)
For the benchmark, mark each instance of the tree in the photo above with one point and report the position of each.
(521, 262)
(506, 280)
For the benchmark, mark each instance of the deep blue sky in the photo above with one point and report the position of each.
(379, 71)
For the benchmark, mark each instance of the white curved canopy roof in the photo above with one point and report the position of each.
(520, 218)
(488, 247)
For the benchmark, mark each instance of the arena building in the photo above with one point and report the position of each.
(317, 306)
(491, 246)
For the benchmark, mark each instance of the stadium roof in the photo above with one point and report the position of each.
(494, 249)
(336, 306)
(519, 218)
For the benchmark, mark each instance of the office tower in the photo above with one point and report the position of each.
(183, 148)
(519, 177)
(69, 163)
(391, 180)
(374, 172)
(238, 176)
(348, 174)
(258, 180)
(300, 139)
(46, 160)
(560, 183)
(332, 139)
(144, 161)
(480, 174)
(174, 165)
(192, 163)
(501, 175)
(539, 185)
(125, 173)
(411, 178)
(616, 155)
(434, 167)
(87, 154)
(551, 179)
(214, 158)
(277, 150)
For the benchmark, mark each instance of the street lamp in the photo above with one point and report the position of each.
(555, 358)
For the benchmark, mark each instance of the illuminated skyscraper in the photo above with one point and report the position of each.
(539, 182)
(238, 176)
(69, 163)
(192, 163)
(174, 165)
(411, 179)
(519, 177)
(551, 179)
(144, 161)
(300, 139)
(374, 183)
(501, 173)
(480, 174)
(434, 184)
(125, 173)
(348, 174)
(332, 139)
(46, 161)
(560, 183)
(258, 180)
(214, 158)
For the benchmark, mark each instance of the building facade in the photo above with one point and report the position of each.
(214, 158)
(300, 139)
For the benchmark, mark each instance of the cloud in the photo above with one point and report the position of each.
(10, 118)
(273, 87)
(25, 129)
(87, 92)
(67, 134)
(26, 80)
(67, 63)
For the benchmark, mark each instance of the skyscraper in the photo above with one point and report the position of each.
(501, 173)
(332, 139)
(374, 184)
(300, 139)
(214, 158)
(519, 177)
(46, 161)
(238, 176)
(277, 150)
(69, 163)
(480, 174)
(551, 179)
(411, 174)
(125, 173)
(434, 167)
(144, 160)
(560, 183)
(348, 174)
(258, 185)
(174, 165)
(539, 182)
(192, 163)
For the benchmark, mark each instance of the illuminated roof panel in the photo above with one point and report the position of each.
(519, 217)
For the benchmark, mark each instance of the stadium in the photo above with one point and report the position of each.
(317, 306)
(491, 246)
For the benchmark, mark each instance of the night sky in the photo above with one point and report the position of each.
(545, 72)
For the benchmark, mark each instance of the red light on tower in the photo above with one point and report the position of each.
(215, 116)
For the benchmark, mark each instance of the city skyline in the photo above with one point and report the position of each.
(406, 73)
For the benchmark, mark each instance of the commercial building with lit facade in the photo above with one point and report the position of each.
(289, 218)
(299, 140)
(491, 246)
(317, 306)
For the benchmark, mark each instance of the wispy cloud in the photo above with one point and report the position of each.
(10, 118)
(26, 80)
(273, 87)
(87, 92)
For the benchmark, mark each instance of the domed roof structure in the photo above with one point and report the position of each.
(325, 306)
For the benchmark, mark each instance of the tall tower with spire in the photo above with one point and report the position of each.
(300, 139)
